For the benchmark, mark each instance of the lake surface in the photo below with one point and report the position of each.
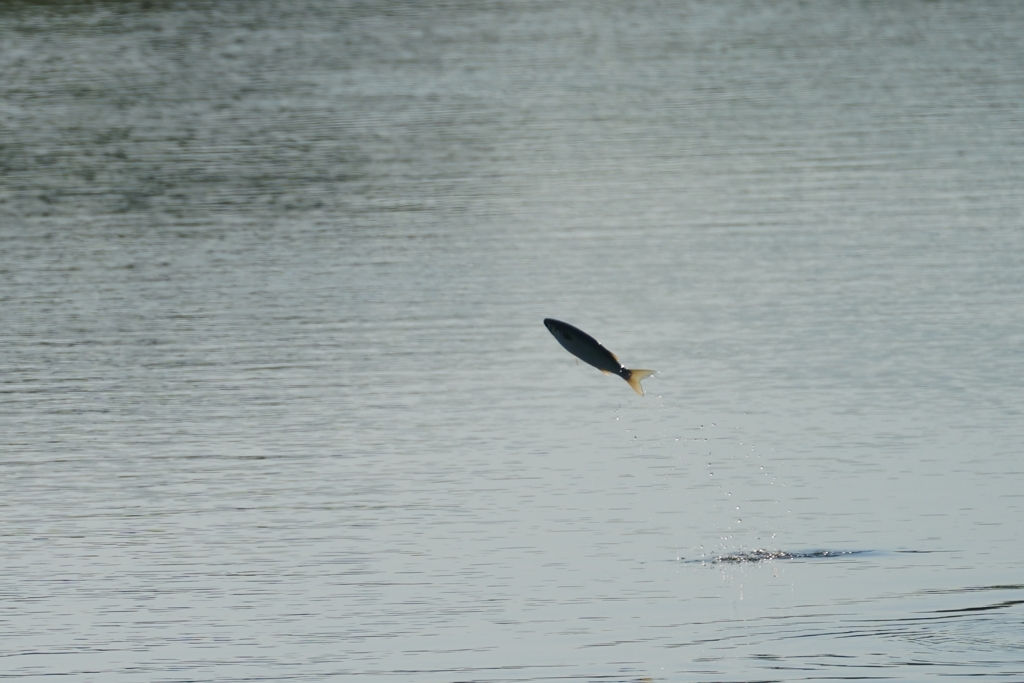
(276, 402)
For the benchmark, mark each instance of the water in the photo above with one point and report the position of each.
(276, 402)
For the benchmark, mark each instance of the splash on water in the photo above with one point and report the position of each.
(765, 555)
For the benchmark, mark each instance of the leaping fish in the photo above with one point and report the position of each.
(589, 350)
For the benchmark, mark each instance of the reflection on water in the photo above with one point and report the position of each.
(277, 401)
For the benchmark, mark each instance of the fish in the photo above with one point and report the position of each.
(589, 350)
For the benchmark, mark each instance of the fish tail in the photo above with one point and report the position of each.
(635, 376)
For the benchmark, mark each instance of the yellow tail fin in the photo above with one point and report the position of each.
(635, 376)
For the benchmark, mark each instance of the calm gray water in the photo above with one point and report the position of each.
(276, 402)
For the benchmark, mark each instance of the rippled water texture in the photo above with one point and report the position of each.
(276, 402)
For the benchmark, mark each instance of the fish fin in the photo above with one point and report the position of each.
(605, 371)
(635, 376)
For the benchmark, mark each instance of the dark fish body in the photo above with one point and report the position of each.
(589, 350)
